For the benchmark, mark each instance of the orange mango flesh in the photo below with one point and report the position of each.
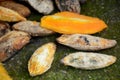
(72, 23)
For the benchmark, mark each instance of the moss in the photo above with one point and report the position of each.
(108, 10)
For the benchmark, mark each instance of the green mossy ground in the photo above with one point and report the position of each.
(107, 10)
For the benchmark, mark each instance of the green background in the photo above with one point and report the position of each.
(107, 10)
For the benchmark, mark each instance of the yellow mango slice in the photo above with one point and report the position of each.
(72, 23)
(3, 73)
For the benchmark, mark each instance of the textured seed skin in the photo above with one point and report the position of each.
(10, 15)
(41, 59)
(68, 5)
(21, 9)
(32, 27)
(4, 28)
(88, 60)
(86, 42)
(42, 6)
(12, 42)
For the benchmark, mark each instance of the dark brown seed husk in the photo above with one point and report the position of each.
(4, 28)
(68, 5)
(82, 1)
